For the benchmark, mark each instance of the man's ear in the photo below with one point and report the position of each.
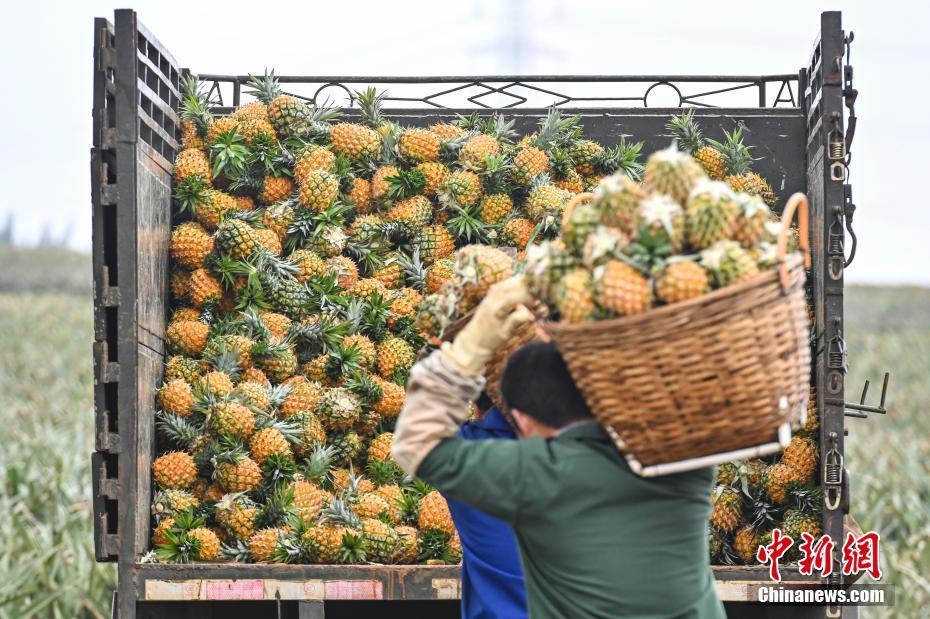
(521, 422)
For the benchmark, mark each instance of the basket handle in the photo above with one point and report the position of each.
(796, 203)
(575, 200)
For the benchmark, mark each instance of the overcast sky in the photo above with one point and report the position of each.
(46, 60)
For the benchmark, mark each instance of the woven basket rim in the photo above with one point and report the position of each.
(762, 279)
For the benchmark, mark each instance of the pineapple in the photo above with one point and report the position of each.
(365, 348)
(184, 368)
(584, 153)
(391, 272)
(392, 399)
(208, 544)
(254, 394)
(797, 522)
(232, 419)
(435, 243)
(190, 245)
(174, 470)
(419, 145)
(275, 189)
(318, 190)
(434, 514)
(434, 173)
(346, 446)
(575, 296)
(277, 324)
(345, 270)
(355, 141)
(278, 217)
(736, 159)
(726, 509)
(447, 131)
(308, 263)
(618, 198)
(380, 184)
(414, 212)
(359, 194)
(529, 163)
(187, 336)
(314, 158)
(380, 538)
(660, 225)
(477, 149)
(746, 543)
(203, 287)
(192, 162)
(621, 289)
(408, 547)
(338, 408)
(176, 397)
(237, 515)
(751, 222)
(681, 280)
(236, 238)
(710, 214)
(495, 207)
(380, 447)
(263, 543)
(395, 356)
(267, 442)
(311, 431)
(761, 187)
(672, 173)
(254, 375)
(778, 479)
(460, 189)
(545, 200)
(479, 268)
(802, 454)
(728, 264)
(214, 206)
(224, 124)
(573, 182)
(170, 503)
(308, 500)
(241, 476)
(160, 532)
(365, 288)
(370, 505)
(517, 232)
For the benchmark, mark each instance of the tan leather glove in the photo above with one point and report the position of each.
(495, 320)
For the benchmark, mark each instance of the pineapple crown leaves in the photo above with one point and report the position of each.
(414, 269)
(180, 431)
(449, 149)
(498, 127)
(309, 224)
(224, 450)
(623, 157)
(316, 465)
(191, 193)
(406, 183)
(340, 513)
(277, 472)
(687, 131)
(195, 103)
(278, 506)
(806, 498)
(293, 547)
(326, 295)
(384, 472)
(264, 88)
(466, 225)
(496, 175)
(561, 163)
(365, 387)
(474, 122)
(225, 359)
(255, 327)
(265, 158)
(763, 515)
(556, 130)
(228, 269)
(354, 548)
(433, 545)
(181, 547)
(237, 551)
(343, 361)
(736, 156)
(229, 155)
(370, 102)
(367, 253)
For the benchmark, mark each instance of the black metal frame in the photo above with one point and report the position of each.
(136, 135)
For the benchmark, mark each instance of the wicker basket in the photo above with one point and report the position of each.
(716, 378)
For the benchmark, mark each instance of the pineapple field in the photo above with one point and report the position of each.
(313, 258)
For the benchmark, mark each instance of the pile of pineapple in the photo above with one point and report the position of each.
(755, 496)
(304, 252)
(694, 223)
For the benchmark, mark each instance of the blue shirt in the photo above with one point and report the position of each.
(492, 580)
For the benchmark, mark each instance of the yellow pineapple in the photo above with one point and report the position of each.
(477, 149)
(419, 145)
(529, 163)
(263, 543)
(242, 476)
(203, 287)
(176, 397)
(190, 245)
(680, 281)
(394, 355)
(433, 173)
(192, 162)
(438, 273)
(275, 189)
(360, 195)
(187, 336)
(621, 289)
(495, 207)
(315, 158)
(318, 190)
(802, 455)
(726, 509)
(434, 514)
(266, 442)
(355, 141)
(672, 173)
(392, 398)
(574, 296)
(379, 182)
(174, 470)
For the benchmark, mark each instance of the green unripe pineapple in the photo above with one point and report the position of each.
(710, 214)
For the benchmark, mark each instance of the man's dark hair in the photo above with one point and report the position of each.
(537, 382)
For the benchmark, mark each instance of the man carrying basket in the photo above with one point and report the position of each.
(595, 539)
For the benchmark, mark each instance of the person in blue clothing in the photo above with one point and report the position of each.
(492, 580)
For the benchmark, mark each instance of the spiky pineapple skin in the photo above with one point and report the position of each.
(622, 289)
(681, 281)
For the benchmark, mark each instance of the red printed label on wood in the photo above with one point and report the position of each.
(235, 589)
(353, 590)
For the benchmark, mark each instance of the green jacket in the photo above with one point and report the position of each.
(595, 539)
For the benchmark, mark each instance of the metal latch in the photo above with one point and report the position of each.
(859, 410)
(832, 475)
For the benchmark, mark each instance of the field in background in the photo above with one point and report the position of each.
(46, 406)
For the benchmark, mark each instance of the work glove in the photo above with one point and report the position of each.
(501, 312)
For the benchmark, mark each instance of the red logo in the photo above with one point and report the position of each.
(771, 553)
(860, 554)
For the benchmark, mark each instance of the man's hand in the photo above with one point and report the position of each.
(495, 320)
